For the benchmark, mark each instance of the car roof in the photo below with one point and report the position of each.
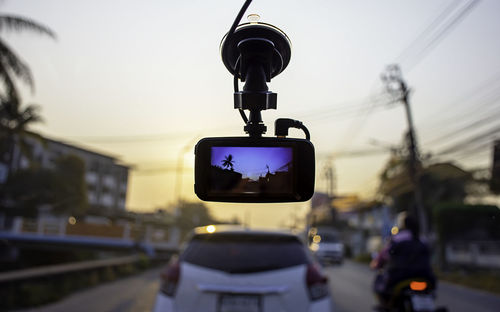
(225, 229)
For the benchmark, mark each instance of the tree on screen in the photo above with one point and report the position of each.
(228, 162)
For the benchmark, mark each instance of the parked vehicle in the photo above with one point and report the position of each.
(327, 247)
(227, 268)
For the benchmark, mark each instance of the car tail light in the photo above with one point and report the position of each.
(170, 278)
(317, 283)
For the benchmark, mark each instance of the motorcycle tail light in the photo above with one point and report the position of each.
(170, 278)
(418, 286)
(317, 283)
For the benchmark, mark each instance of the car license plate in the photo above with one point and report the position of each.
(239, 303)
(422, 302)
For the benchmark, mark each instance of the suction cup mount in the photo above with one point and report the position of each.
(255, 53)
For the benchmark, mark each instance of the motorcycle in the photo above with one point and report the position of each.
(412, 295)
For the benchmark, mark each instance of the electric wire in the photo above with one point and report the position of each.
(355, 128)
(306, 132)
(443, 30)
(318, 116)
(481, 148)
(236, 69)
(480, 90)
(453, 5)
(352, 153)
(460, 16)
(154, 171)
(238, 18)
(344, 112)
(482, 109)
(435, 38)
(236, 89)
(470, 141)
(146, 138)
(475, 155)
(470, 126)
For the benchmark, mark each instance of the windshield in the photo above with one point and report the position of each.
(386, 112)
(245, 253)
(329, 238)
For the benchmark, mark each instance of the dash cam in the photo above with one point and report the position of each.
(245, 169)
(255, 169)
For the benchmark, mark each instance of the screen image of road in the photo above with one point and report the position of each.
(251, 170)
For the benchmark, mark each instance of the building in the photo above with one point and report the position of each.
(106, 178)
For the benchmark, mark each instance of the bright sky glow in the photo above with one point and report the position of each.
(143, 79)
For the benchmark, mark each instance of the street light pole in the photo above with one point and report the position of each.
(397, 87)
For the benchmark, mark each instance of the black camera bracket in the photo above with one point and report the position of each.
(255, 53)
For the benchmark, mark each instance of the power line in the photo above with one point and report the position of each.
(349, 108)
(470, 141)
(344, 111)
(355, 128)
(481, 110)
(154, 171)
(119, 139)
(477, 123)
(426, 32)
(475, 155)
(442, 31)
(479, 149)
(371, 108)
(478, 90)
(345, 115)
(353, 153)
(132, 138)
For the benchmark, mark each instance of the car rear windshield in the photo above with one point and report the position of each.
(245, 253)
(329, 238)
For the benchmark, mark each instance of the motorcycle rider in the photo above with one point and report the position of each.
(404, 256)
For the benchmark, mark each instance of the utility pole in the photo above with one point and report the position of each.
(397, 87)
(329, 175)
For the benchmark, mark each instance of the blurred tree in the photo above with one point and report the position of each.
(13, 128)
(193, 214)
(69, 187)
(13, 119)
(62, 188)
(10, 64)
(26, 190)
(440, 182)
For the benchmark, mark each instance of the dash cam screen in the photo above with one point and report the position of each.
(251, 170)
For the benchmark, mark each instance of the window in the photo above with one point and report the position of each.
(243, 253)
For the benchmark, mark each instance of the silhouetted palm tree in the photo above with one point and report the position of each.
(13, 127)
(10, 63)
(13, 119)
(228, 162)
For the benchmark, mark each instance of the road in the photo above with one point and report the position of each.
(131, 294)
(351, 288)
(350, 285)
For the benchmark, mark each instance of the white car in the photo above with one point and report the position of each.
(327, 247)
(232, 269)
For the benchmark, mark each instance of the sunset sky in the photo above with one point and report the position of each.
(143, 81)
(252, 161)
